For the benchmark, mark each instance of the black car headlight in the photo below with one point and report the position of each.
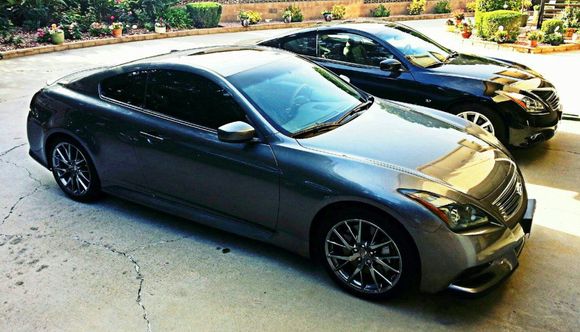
(530, 104)
(457, 216)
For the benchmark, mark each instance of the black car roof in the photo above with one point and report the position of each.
(368, 26)
(225, 60)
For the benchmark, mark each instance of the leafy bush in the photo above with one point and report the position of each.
(442, 7)
(296, 13)
(417, 7)
(493, 5)
(501, 36)
(177, 18)
(381, 11)
(470, 6)
(338, 12)
(252, 16)
(554, 39)
(205, 14)
(492, 21)
(553, 25)
(571, 17)
(99, 29)
(72, 31)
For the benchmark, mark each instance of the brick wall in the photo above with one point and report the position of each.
(312, 9)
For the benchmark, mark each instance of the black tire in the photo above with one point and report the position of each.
(500, 129)
(84, 184)
(368, 286)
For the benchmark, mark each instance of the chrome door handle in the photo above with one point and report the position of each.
(151, 136)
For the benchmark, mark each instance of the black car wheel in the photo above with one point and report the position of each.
(74, 171)
(367, 255)
(483, 117)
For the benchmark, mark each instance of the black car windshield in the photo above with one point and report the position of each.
(416, 47)
(295, 95)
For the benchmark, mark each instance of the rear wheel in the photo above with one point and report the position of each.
(74, 171)
(367, 254)
(484, 117)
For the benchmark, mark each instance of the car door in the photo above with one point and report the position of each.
(358, 57)
(112, 124)
(184, 160)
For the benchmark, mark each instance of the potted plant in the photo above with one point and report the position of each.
(117, 29)
(450, 25)
(287, 16)
(459, 17)
(534, 37)
(526, 4)
(327, 14)
(569, 32)
(160, 26)
(56, 34)
(244, 18)
(467, 29)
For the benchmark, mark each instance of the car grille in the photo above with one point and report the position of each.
(550, 97)
(511, 197)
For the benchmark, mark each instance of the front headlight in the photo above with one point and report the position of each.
(457, 216)
(530, 104)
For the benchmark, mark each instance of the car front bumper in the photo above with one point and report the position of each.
(475, 263)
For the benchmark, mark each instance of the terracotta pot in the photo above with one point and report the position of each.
(569, 32)
(533, 43)
(466, 34)
(117, 32)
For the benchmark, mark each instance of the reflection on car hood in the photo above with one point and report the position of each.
(491, 70)
(407, 140)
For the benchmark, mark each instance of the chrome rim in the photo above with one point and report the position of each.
(71, 168)
(479, 119)
(363, 256)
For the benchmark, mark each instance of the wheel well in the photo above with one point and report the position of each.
(51, 141)
(327, 210)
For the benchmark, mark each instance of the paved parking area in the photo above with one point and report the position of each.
(113, 265)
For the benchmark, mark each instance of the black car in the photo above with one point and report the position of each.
(395, 62)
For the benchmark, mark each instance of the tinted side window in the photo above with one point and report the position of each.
(191, 98)
(303, 44)
(352, 48)
(127, 88)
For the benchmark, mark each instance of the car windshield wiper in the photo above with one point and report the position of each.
(357, 109)
(326, 126)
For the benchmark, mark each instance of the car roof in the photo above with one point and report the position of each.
(224, 60)
(369, 26)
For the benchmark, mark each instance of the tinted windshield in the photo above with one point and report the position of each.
(416, 47)
(294, 94)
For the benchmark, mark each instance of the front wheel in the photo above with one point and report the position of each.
(367, 254)
(74, 171)
(484, 117)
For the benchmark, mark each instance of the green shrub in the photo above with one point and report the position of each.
(442, 7)
(554, 39)
(417, 7)
(549, 26)
(508, 19)
(205, 14)
(381, 11)
(296, 13)
(177, 18)
(252, 16)
(338, 12)
(470, 6)
(485, 6)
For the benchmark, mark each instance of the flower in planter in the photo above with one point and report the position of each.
(459, 15)
(534, 37)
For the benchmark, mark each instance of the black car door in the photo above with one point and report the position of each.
(184, 160)
(358, 57)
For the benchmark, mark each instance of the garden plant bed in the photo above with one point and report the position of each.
(524, 47)
(30, 46)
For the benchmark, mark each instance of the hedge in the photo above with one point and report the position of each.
(548, 26)
(508, 19)
(205, 14)
(486, 6)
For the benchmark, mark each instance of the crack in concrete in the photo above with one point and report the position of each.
(137, 268)
(21, 198)
(147, 246)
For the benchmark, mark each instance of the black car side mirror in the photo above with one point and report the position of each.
(390, 65)
(236, 132)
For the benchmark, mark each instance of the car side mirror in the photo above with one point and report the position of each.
(236, 132)
(391, 65)
(344, 78)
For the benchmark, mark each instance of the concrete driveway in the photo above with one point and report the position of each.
(116, 266)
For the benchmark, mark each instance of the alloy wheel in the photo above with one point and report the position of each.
(71, 168)
(363, 256)
(479, 119)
